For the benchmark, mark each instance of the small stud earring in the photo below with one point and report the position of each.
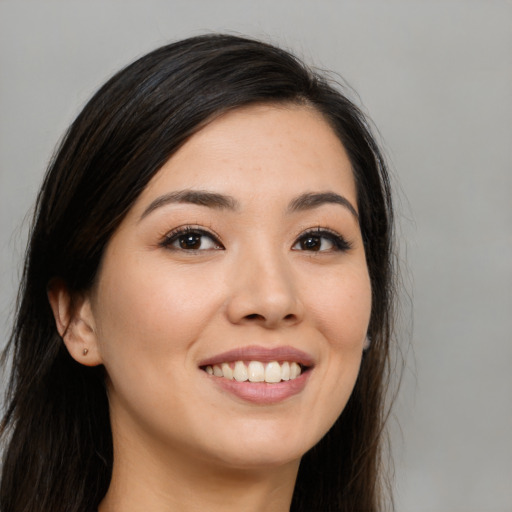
(85, 351)
(367, 343)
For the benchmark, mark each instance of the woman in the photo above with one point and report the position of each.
(205, 312)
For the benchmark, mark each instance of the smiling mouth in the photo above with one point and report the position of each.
(272, 372)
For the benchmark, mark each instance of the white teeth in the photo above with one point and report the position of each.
(273, 372)
(240, 372)
(294, 370)
(285, 371)
(227, 371)
(256, 371)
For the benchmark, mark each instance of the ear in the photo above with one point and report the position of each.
(75, 322)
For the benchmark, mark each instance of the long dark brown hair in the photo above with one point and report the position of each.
(56, 431)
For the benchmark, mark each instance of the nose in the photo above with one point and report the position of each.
(264, 292)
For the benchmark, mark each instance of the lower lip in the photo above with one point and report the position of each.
(263, 392)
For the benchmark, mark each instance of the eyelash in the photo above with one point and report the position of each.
(338, 241)
(181, 232)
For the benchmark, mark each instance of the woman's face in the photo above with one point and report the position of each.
(245, 247)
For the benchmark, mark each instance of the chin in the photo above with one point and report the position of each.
(259, 459)
(259, 450)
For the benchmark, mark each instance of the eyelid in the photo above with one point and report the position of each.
(340, 242)
(175, 233)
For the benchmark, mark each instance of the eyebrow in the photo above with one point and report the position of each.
(307, 201)
(313, 200)
(199, 197)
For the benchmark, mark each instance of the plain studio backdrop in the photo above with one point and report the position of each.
(436, 77)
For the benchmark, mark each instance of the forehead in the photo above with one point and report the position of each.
(262, 151)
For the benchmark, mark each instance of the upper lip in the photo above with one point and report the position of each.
(258, 353)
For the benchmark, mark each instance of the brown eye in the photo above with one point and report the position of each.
(321, 241)
(311, 243)
(191, 240)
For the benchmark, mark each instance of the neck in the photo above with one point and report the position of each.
(142, 481)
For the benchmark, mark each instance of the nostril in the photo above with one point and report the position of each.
(254, 316)
(258, 317)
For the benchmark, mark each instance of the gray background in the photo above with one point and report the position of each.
(437, 80)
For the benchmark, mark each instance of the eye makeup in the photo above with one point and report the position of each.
(191, 238)
(321, 240)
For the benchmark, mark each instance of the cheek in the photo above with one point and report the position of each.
(146, 327)
(342, 306)
(159, 311)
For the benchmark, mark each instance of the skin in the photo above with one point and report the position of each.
(180, 441)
